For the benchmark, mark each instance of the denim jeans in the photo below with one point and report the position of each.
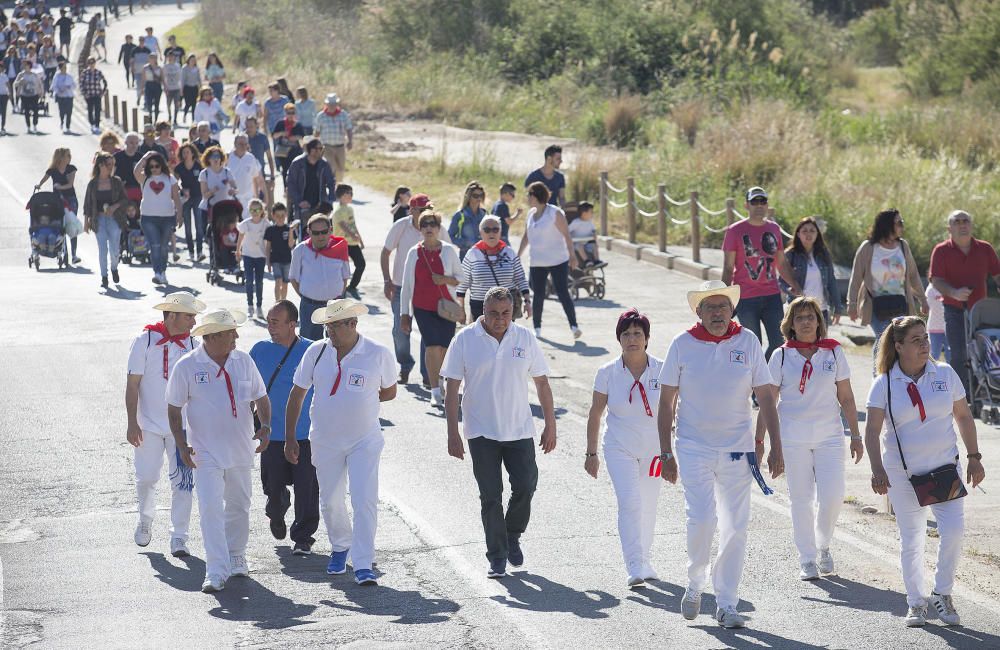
(190, 210)
(254, 269)
(939, 344)
(768, 310)
(308, 329)
(489, 457)
(400, 341)
(560, 280)
(157, 231)
(954, 329)
(109, 238)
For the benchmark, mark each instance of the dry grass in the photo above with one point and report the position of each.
(688, 116)
(622, 120)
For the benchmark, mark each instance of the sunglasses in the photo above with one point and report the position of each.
(430, 224)
(319, 233)
(215, 158)
(758, 201)
(477, 195)
(154, 165)
(256, 210)
(492, 229)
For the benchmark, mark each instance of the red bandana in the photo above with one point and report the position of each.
(655, 466)
(179, 339)
(807, 369)
(336, 382)
(336, 249)
(916, 400)
(229, 387)
(334, 113)
(642, 393)
(481, 245)
(702, 334)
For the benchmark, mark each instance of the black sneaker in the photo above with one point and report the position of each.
(114, 276)
(104, 281)
(514, 553)
(302, 548)
(278, 528)
(404, 376)
(498, 569)
(353, 293)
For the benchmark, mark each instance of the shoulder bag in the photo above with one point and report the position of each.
(938, 485)
(447, 308)
(270, 382)
(514, 291)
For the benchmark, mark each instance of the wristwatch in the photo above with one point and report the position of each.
(976, 456)
(266, 426)
(665, 456)
(590, 455)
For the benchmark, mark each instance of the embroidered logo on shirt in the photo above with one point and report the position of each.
(201, 377)
(654, 384)
(939, 386)
(356, 380)
(518, 353)
(829, 366)
(738, 356)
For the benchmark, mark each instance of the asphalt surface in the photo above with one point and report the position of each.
(72, 577)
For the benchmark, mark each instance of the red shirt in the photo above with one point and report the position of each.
(959, 269)
(425, 293)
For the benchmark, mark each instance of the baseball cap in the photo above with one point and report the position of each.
(247, 90)
(756, 192)
(420, 201)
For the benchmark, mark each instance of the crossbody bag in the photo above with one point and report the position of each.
(270, 382)
(936, 486)
(514, 292)
(447, 308)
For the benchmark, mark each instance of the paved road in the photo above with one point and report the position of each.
(72, 577)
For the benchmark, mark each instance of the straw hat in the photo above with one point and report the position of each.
(338, 310)
(713, 288)
(181, 301)
(219, 320)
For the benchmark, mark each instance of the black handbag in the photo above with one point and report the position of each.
(936, 486)
(270, 382)
(885, 308)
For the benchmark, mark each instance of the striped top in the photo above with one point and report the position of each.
(477, 277)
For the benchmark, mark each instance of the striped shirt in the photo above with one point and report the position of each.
(332, 129)
(478, 276)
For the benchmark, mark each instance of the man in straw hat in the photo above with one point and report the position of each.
(351, 374)
(319, 271)
(714, 367)
(151, 361)
(216, 383)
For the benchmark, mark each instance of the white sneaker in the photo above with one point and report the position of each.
(538, 332)
(143, 533)
(825, 562)
(178, 547)
(238, 566)
(577, 332)
(691, 604)
(728, 617)
(163, 278)
(635, 581)
(436, 398)
(212, 584)
(916, 616)
(945, 609)
(259, 313)
(648, 572)
(809, 571)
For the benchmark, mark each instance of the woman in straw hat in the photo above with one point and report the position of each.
(216, 383)
(151, 361)
(351, 374)
(713, 368)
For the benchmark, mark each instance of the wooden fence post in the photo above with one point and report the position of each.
(124, 116)
(107, 102)
(730, 211)
(603, 193)
(114, 103)
(630, 208)
(135, 118)
(661, 213)
(695, 229)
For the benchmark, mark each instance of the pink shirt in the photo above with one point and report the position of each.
(756, 271)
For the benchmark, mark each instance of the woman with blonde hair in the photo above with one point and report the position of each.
(464, 227)
(913, 407)
(813, 381)
(63, 175)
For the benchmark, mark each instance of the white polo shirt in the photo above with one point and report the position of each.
(715, 381)
(147, 359)
(627, 424)
(931, 443)
(351, 413)
(319, 277)
(403, 236)
(495, 396)
(220, 426)
(244, 170)
(813, 416)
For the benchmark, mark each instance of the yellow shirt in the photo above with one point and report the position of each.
(344, 226)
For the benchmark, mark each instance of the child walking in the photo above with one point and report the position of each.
(279, 240)
(250, 246)
(344, 226)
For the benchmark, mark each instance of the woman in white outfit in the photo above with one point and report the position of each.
(629, 389)
(919, 401)
(813, 380)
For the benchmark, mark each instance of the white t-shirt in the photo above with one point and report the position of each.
(811, 417)
(403, 236)
(547, 246)
(207, 112)
(495, 374)
(253, 236)
(814, 283)
(244, 170)
(157, 196)
(580, 228)
(715, 381)
(929, 444)
(244, 110)
(146, 358)
(217, 182)
(888, 270)
(935, 313)
(343, 419)
(627, 425)
(220, 427)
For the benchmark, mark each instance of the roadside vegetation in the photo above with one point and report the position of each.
(840, 107)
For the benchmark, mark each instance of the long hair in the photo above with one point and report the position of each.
(99, 159)
(797, 305)
(157, 158)
(469, 189)
(884, 226)
(895, 333)
(60, 154)
(820, 250)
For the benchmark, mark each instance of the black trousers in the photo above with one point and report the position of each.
(276, 474)
(65, 110)
(488, 458)
(190, 94)
(560, 280)
(29, 106)
(94, 110)
(476, 307)
(358, 260)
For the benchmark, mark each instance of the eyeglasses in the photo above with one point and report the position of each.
(758, 201)
(493, 229)
(899, 222)
(319, 233)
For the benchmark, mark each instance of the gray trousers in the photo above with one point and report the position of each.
(488, 458)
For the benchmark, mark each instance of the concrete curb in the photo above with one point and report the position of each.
(648, 253)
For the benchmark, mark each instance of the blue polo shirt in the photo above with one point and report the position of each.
(267, 356)
(556, 183)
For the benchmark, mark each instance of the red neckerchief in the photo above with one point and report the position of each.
(655, 466)
(807, 368)
(495, 250)
(336, 248)
(289, 125)
(336, 382)
(642, 391)
(916, 400)
(229, 387)
(179, 339)
(334, 113)
(702, 334)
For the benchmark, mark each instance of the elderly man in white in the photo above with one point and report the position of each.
(217, 383)
(246, 171)
(151, 360)
(713, 368)
(352, 375)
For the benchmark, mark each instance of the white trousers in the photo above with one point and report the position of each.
(637, 493)
(815, 476)
(911, 518)
(148, 463)
(360, 464)
(224, 505)
(716, 495)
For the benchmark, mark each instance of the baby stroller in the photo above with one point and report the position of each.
(133, 243)
(46, 211)
(983, 335)
(221, 234)
(588, 276)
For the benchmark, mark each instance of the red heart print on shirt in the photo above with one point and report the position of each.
(156, 186)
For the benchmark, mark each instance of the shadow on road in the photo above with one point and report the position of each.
(245, 599)
(963, 637)
(754, 639)
(660, 594)
(538, 594)
(858, 596)
(182, 578)
(578, 347)
(408, 607)
(121, 293)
